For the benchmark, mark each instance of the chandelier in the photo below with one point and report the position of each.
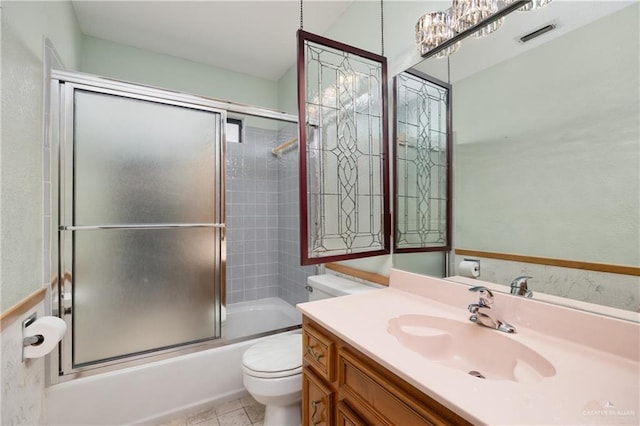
(439, 33)
(432, 30)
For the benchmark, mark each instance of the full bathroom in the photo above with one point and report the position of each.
(278, 212)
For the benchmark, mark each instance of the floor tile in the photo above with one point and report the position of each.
(227, 407)
(202, 416)
(247, 400)
(209, 422)
(255, 412)
(235, 418)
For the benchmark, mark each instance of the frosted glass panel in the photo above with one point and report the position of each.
(142, 290)
(144, 162)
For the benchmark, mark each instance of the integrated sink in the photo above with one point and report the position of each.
(463, 345)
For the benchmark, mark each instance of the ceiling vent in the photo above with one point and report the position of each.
(528, 37)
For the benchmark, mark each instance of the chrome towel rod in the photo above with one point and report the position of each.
(141, 226)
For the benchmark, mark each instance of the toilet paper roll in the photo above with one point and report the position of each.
(52, 329)
(469, 268)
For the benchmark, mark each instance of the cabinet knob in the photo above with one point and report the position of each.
(314, 354)
(314, 405)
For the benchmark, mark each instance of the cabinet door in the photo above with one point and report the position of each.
(317, 398)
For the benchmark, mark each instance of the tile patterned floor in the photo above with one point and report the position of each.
(240, 412)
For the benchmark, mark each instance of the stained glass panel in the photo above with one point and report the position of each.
(422, 163)
(343, 142)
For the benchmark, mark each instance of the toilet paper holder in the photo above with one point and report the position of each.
(30, 340)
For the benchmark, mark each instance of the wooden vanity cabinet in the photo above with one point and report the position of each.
(344, 387)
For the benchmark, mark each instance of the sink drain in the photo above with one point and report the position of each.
(477, 374)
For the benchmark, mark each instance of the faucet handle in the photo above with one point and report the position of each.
(486, 296)
(519, 286)
(482, 290)
(474, 307)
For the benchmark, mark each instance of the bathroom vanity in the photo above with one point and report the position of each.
(343, 386)
(408, 354)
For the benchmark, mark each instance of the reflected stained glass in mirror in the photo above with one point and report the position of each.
(423, 163)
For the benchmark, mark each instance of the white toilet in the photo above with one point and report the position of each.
(272, 368)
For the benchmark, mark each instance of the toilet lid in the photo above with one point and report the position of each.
(278, 356)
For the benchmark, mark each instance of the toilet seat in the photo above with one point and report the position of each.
(278, 356)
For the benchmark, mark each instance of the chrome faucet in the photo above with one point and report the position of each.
(520, 287)
(483, 318)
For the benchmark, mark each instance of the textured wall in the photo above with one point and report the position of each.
(601, 288)
(22, 382)
(24, 24)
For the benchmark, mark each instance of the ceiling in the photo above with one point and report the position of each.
(251, 37)
(257, 37)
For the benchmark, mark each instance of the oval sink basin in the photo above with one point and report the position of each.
(470, 348)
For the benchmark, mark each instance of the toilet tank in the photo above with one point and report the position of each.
(327, 285)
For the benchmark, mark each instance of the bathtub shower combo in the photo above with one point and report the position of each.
(172, 239)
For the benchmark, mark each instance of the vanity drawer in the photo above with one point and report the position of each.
(380, 400)
(319, 352)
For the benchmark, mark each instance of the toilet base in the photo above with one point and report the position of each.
(278, 415)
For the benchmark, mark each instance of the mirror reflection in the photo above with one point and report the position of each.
(546, 148)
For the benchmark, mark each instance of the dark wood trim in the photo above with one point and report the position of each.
(341, 46)
(302, 150)
(16, 311)
(449, 190)
(564, 263)
(305, 259)
(359, 273)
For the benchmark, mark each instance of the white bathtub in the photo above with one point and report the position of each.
(162, 390)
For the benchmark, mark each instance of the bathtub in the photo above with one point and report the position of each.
(159, 391)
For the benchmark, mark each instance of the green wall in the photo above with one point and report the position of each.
(129, 63)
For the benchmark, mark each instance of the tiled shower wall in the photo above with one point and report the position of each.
(293, 277)
(252, 217)
(262, 219)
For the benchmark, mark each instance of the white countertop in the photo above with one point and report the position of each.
(597, 367)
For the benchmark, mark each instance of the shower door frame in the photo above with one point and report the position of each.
(60, 367)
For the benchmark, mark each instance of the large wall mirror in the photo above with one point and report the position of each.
(546, 147)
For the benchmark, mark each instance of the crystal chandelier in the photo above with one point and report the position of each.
(533, 4)
(436, 28)
(468, 13)
(432, 30)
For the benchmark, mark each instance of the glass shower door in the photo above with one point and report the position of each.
(141, 224)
